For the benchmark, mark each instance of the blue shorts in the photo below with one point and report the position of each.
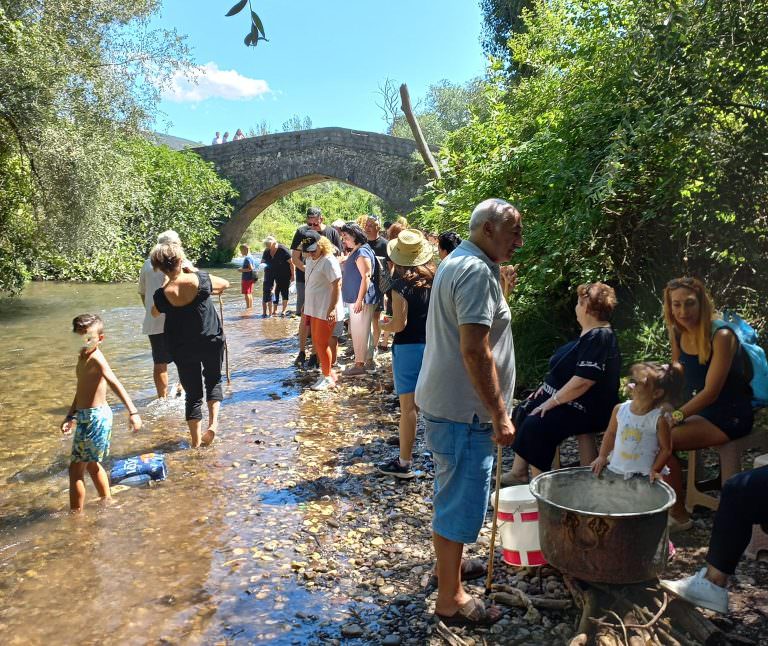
(463, 457)
(406, 365)
(92, 435)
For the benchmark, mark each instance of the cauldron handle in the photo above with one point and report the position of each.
(597, 526)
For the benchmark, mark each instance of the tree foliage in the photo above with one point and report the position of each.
(501, 19)
(445, 108)
(335, 199)
(79, 80)
(637, 150)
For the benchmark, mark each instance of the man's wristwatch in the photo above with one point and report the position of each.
(677, 416)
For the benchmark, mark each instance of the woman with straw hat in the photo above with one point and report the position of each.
(413, 273)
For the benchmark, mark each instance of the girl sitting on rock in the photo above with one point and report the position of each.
(638, 440)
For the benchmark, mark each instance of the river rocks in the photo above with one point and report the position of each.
(352, 630)
(391, 640)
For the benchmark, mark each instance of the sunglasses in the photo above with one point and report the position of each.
(688, 283)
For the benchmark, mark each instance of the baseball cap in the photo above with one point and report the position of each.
(309, 241)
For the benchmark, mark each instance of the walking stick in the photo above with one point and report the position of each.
(226, 347)
(491, 555)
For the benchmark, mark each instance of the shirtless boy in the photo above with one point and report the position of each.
(90, 414)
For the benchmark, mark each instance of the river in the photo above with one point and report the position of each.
(207, 555)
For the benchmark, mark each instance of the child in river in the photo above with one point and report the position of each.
(90, 414)
(638, 440)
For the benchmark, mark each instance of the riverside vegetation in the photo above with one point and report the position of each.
(631, 134)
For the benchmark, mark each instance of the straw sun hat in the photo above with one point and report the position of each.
(410, 249)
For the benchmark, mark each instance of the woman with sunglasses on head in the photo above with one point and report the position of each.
(578, 393)
(717, 395)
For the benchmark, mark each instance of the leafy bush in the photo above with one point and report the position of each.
(636, 147)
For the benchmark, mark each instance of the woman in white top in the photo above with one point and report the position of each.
(639, 438)
(322, 300)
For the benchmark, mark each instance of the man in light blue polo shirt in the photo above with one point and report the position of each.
(465, 392)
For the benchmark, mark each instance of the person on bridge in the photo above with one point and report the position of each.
(314, 223)
(194, 334)
(225, 138)
(238, 135)
(216, 139)
(278, 275)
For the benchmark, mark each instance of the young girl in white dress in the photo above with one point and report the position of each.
(638, 440)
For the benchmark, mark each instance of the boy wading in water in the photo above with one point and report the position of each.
(90, 414)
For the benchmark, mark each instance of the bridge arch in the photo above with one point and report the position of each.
(264, 169)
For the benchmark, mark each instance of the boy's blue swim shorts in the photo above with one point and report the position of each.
(92, 435)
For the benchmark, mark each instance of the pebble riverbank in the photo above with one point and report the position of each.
(371, 544)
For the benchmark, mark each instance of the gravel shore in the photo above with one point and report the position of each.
(370, 545)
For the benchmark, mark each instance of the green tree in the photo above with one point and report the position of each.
(501, 19)
(337, 201)
(445, 108)
(76, 78)
(636, 149)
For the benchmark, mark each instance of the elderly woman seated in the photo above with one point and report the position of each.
(579, 391)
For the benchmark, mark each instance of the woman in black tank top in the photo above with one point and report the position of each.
(718, 405)
(414, 271)
(194, 335)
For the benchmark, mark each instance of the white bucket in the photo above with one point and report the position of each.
(518, 526)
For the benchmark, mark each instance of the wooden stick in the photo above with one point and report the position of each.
(226, 347)
(491, 553)
(421, 143)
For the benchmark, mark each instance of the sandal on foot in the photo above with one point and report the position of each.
(473, 614)
(470, 569)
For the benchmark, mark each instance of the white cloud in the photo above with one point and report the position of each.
(209, 82)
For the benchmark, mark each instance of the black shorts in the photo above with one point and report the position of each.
(160, 352)
(735, 420)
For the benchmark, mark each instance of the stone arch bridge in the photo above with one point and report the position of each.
(264, 169)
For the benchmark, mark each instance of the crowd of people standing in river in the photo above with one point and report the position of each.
(453, 361)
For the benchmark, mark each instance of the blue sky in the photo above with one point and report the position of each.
(324, 60)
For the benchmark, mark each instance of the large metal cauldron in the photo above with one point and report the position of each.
(605, 529)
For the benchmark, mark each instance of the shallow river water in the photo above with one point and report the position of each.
(199, 558)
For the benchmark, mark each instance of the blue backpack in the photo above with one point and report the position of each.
(758, 364)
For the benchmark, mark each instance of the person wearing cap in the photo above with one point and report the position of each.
(464, 393)
(322, 304)
(379, 245)
(314, 222)
(360, 296)
(150, 280)
(278, 276)
(412, 276)
(247, 275)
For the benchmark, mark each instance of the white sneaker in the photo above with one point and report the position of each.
(699, 591)
(324, 383)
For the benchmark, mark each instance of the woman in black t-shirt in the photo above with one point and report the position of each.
(413, 273)
(193, 333)
(579, 391)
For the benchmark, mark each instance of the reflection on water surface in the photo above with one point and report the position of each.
(207, 555)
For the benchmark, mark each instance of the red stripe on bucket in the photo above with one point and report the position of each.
(536, 558)
(503, 515)
(513, 557)
(529, 516)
